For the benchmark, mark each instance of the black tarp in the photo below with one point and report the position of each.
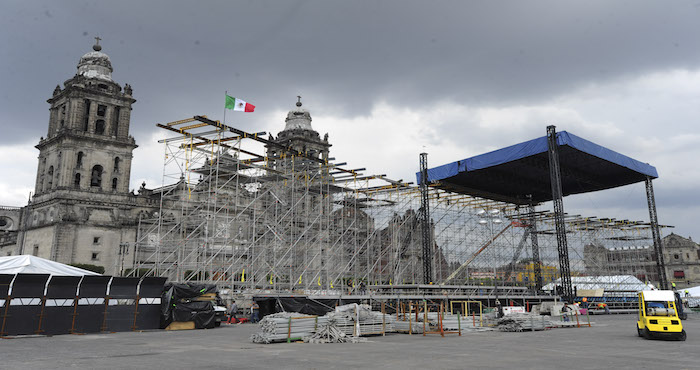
(24, 312)
(148, 309)
(202, 313)
(60, 305)
(178, 297)
(91, 304)
(188, 290)
(121, 305)
(305, 305)
(5, 280)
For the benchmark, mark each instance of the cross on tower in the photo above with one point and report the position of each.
(298, 100)
(97, 40)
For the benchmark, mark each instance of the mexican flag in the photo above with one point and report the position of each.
(238, 104)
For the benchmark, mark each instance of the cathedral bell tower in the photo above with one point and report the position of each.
(87, 147)
(82, 211)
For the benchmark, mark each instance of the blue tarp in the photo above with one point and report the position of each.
(538, 147)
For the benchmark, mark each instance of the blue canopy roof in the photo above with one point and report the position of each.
(513, 173)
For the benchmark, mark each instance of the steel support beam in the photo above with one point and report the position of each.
(425, 221)
(536, 261)
(558, 201)
(658, 248)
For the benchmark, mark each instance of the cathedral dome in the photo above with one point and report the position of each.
(95, 64)
(298, 119)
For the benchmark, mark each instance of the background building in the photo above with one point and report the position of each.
(681, 257)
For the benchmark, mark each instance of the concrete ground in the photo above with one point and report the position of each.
(611, 343)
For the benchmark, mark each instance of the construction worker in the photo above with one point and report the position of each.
(604, 306)
(232, 313)
(687, 293)
(673, 286)
(254, 312)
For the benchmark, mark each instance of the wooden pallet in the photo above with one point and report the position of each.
(206, 297)
(181, 325)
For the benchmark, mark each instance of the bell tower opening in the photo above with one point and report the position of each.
(96, 176)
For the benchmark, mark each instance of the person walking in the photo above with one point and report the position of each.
(254, 312)
(232, 313)
(499, 309)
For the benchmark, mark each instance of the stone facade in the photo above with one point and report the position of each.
(10, 218)
(82, 210)
(681, 256)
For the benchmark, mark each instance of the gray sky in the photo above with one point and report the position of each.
(384, 78)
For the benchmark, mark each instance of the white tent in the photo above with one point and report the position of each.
(27, 264)
(694, 291)
(610, 283)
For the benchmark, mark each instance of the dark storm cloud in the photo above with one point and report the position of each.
(538, 62)
(180, 57)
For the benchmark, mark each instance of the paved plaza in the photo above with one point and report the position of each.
(611, 343)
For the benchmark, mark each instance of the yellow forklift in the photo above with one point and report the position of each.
(658, 315)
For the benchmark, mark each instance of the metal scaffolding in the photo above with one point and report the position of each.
(233, 214)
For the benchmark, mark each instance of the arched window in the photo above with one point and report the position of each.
(116, 164)
(100, 127)
(50, 175)
(96, 176)
(114, 183)
(79, 162)
(76, 182)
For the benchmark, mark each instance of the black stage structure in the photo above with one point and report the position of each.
(541, 170)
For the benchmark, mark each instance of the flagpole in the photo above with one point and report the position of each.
(225, 95)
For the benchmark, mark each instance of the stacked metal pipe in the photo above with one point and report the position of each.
(525, 322)
(354, 321)
(368, 322)
(330, 333)
(403, 326)
(280, 327)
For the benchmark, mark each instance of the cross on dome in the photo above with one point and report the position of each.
(97, 46)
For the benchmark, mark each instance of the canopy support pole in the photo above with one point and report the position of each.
(536, 262)
(558, 201)
(425, 221)
(654, 221)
